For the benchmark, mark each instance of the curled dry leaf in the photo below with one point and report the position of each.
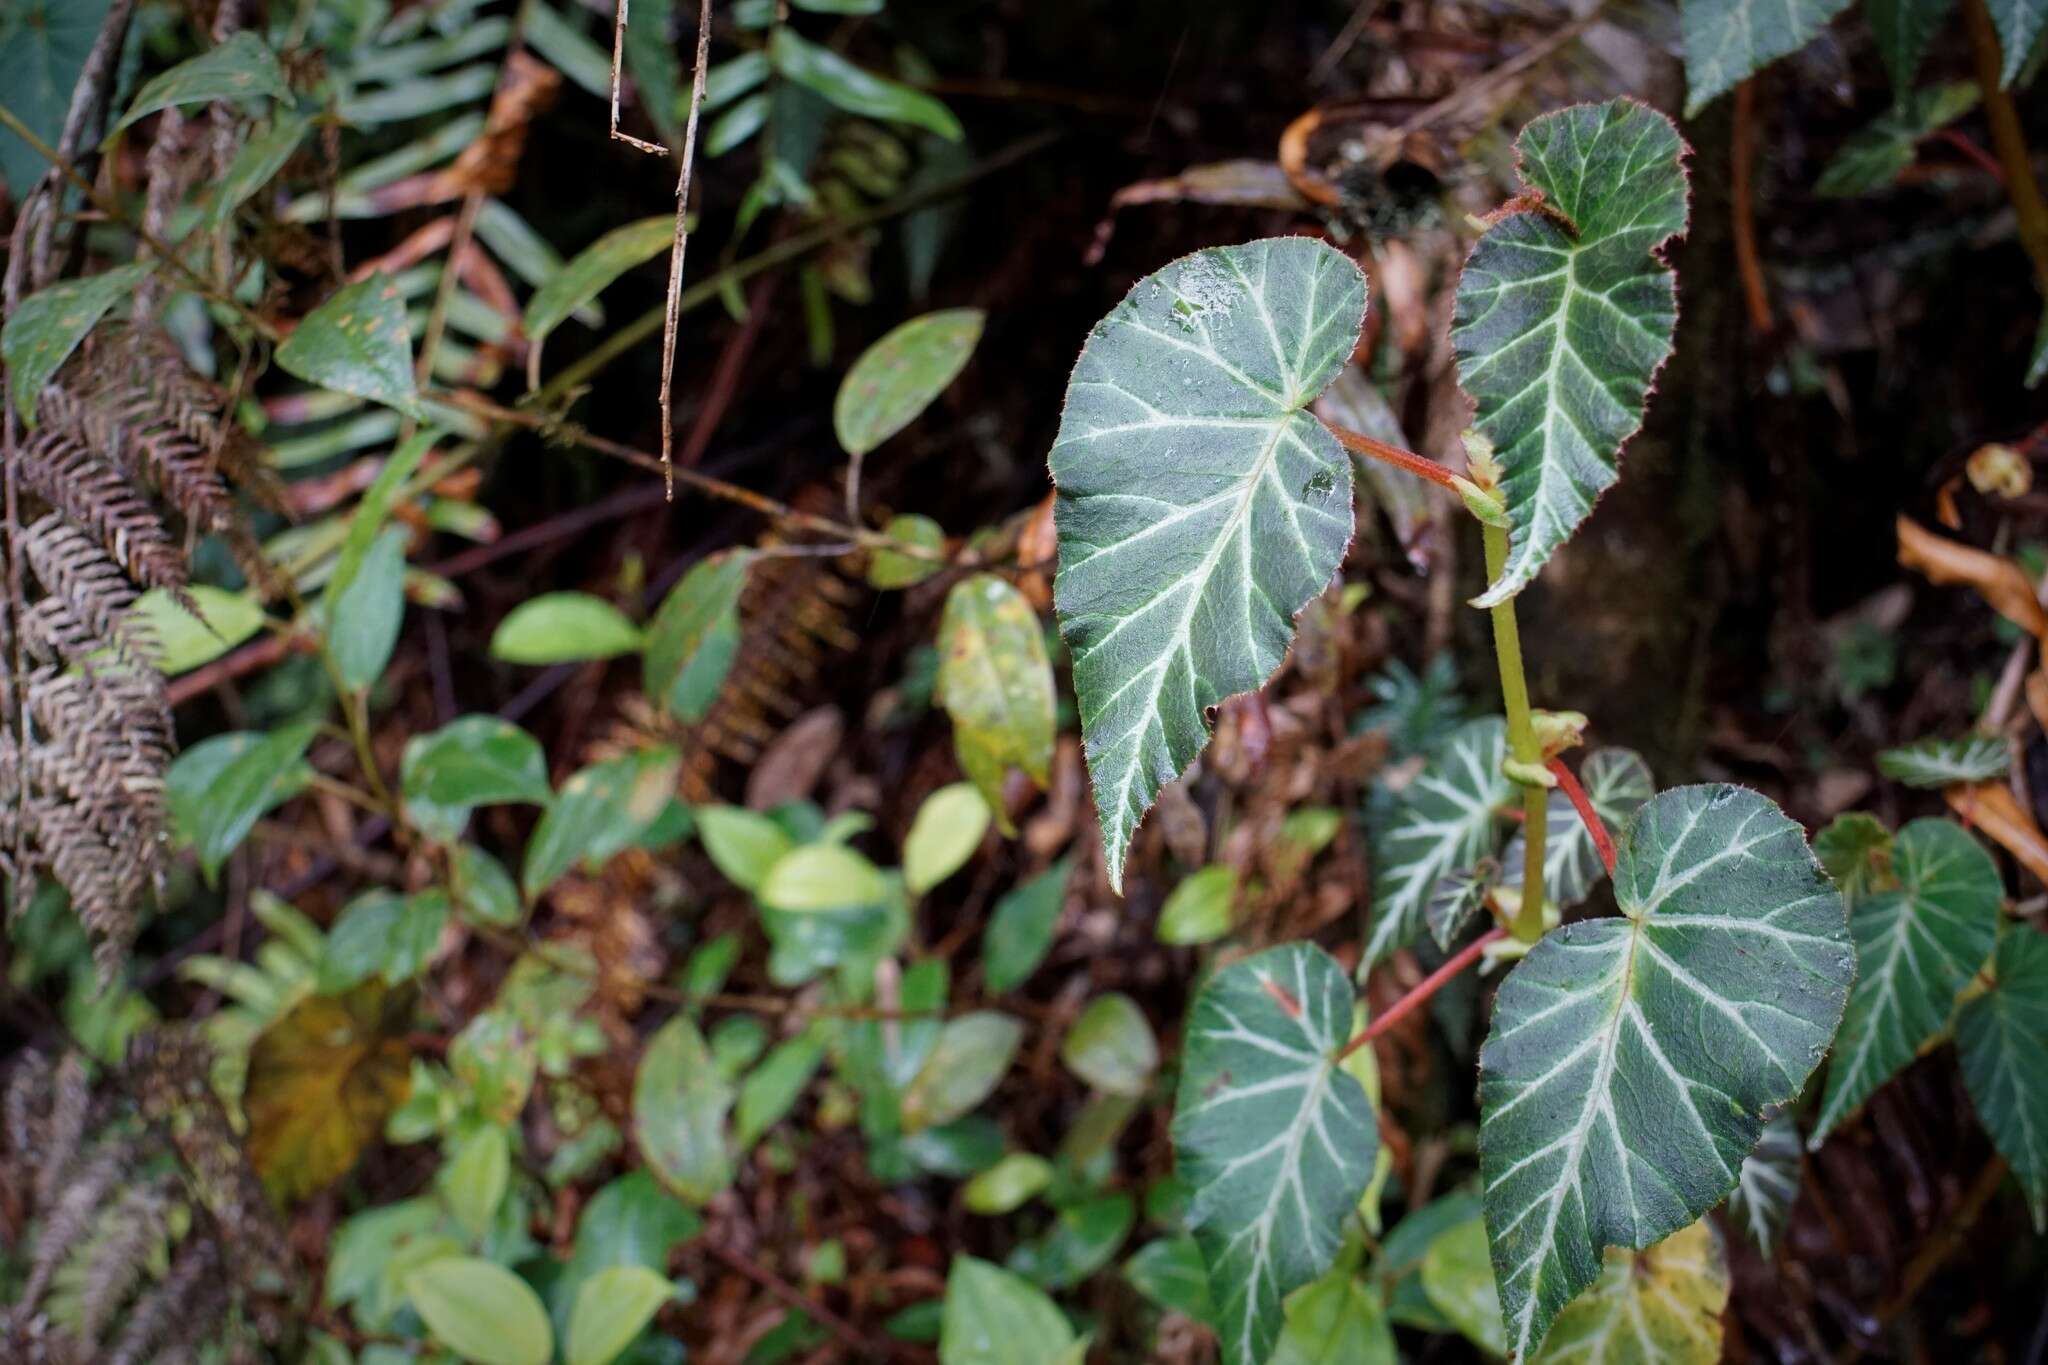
(1990, 807)
(1997, 580)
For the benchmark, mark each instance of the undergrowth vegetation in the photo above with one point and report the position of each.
(568, 791)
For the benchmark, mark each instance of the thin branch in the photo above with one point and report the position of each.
(2010, 140)
(618, 60)
(1429, 986)
(673, 304)
(1742, 208)
(1568, 783)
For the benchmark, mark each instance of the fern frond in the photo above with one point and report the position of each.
(94, 496)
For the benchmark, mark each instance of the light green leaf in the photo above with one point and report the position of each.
(695, 636)
(474, 1179)
(943, 836)
(1769, 1182)
(1564, 314)
(1727, 41)
(563, 627)
(1939, 762)
(1902, 30)
(613, 1307)
(240, 68)
(269, 147)
(1633, 1059)
(1199, 506)
(889, 568)
(742, 844)
(1170, 1273)
(856, 91)
(1274, 1139)
(821, 877)
(1337, 1320)
(1874, 156)
(964, 1067)
(484, 891)
(995, 1318)
(366, 609)
(43, 47)
(1617, 781)
(1447, 823)
(2019, 24)
(481, 1311)
(772, 1089)
(898, 377)
(2002, 1041)
(1111, 1046)
(185, 641)
(595, 267)
(475, 761)
(1020, 931)
(1457, 1275)
(1663, 1305)
(1008, 1185)
(1915, 948)
(680, 1103)
(357, 343)
(1202, 908)
(1856, 849)
(995, 681)
(218, 789)
(41, 334)
(600, 810)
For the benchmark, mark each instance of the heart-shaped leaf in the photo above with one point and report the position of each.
(1633, 1059)
(2002, 1040)
(1564, 314)
(1275, 1139)
(1915, 947)
(1938, 762)
(1727, 41)
(1199, 506)
(1663, 1304)
(1446, 824)
(1617, 781)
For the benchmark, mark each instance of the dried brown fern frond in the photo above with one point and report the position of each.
(135, 1252)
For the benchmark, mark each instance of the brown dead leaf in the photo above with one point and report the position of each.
(322, 1080)
(1990, 806)
(1998, 580)
(792, 765)
(2037, 696)
(1247, 183)
(1039, 541)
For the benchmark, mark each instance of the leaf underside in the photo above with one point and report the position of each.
(1633, 1059)
(2002, 1042)
(1445, 825)
(1727, 41)
(1564, 314)
(1199, 507)
(1915, 948)
(1276, 1141)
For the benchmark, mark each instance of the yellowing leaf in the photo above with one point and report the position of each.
(995, 681)
(322, 1080)
(1663, 1304)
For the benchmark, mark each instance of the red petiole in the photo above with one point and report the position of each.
(1393, 455)
(1419, 997)
(1568, 783)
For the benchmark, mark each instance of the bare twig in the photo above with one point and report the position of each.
(1742, 208)
(673, 305)
(618, 61)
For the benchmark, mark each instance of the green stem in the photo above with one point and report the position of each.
(1522, 744)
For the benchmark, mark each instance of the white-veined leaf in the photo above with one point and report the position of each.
(1632, 1059)
(1661, 1305)
(1456, 898)
(2002, 1040)
(2019, 24)
(1727, 41)
(1565, 313)
(1767, 1185)
(1915, 947)
(1446, 823)
(1275, 1140)
(1617, 781)
(1938, 762)
(1199, 506)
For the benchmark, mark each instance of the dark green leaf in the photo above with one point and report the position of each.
(1727, 41)
(366, 609)
(484, 891)
(357, 343)
(1903, 28)
(43, 332)
(1874, 157)
(2002, 1040)
(382, 934)
(1762, 1202)
(632, 1221)
(1446, 823)
(1194, 491)
(563, 627)
(995, 681)
(1633, 1060)
(970, 1058)
(1565, 312)
(587, 275)
(269, 147)
(1457, 1274)
(767, 1095)
(1082, 1239)
(1020, 931)
(1856, 849)
(600, 810)
(898, 377)
(475, 761)
(856, 91)
(240, 68)
(1275, 1140)
(217, 790)
(1939, 762)
(1170, 1273)
(1915, 947)
(680, 1103)
(695, 636)
(43, 47)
